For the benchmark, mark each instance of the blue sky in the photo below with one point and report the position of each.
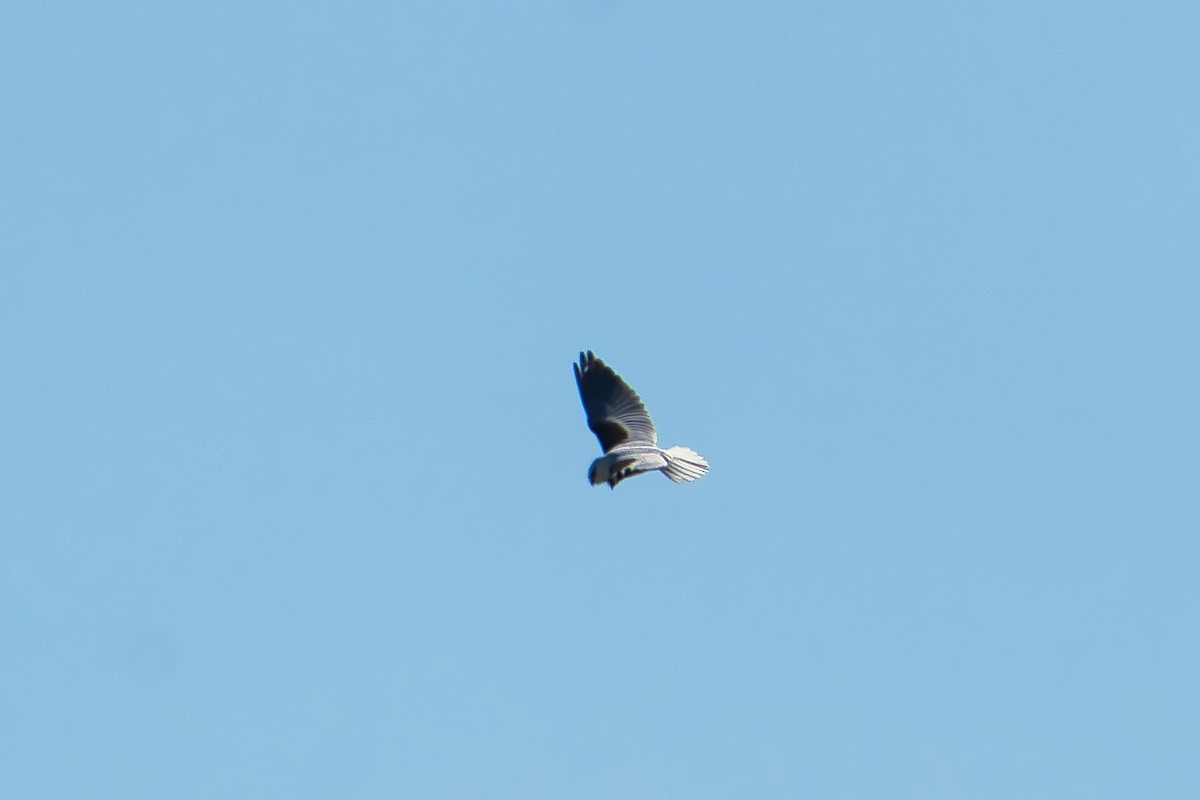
(293, 470)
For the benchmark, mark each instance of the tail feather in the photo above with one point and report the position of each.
(684, 464)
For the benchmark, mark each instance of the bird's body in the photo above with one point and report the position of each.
(616, 415)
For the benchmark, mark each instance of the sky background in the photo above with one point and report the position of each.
(293, 497)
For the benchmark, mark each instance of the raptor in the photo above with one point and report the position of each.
(619, 419)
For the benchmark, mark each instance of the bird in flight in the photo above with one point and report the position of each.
(616, 415)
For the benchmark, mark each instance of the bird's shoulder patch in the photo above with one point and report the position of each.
(609, 433)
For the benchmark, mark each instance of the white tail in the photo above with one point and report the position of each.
(684, 464)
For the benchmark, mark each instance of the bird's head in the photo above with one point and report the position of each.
(598, 471)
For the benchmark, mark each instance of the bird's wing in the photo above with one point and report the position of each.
(614, 411)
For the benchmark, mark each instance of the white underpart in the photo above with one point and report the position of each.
(680, 464)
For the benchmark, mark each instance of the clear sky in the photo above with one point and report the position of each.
(293, 497)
